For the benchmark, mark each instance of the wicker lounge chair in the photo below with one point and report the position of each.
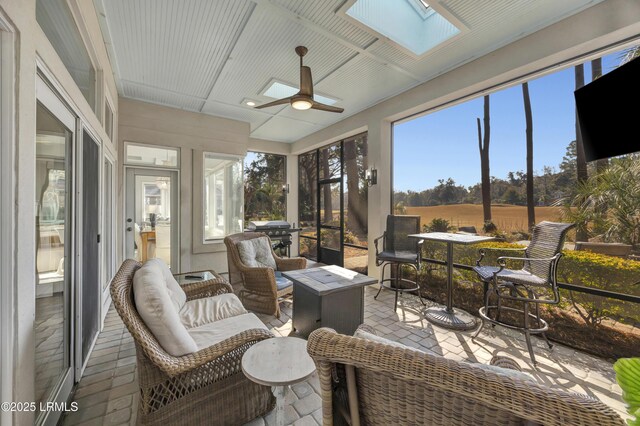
(204, 387)
(395, 386)
(257, 287)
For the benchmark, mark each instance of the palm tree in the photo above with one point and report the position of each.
(607, 205)
(531, 212)
(483, 145)
(630, 54)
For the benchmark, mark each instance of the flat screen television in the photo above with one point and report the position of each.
(609, 112)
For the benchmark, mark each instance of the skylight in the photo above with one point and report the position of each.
(278, 90)
(412, 24)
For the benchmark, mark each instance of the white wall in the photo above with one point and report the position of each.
(31, 43)
(569, 41)
(192, 133)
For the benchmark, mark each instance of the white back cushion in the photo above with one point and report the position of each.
(177, 294)
(158, 311)
(256, 253)
(209, 309)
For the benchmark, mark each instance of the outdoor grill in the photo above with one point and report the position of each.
(278, 230)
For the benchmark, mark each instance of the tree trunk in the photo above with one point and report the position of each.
(484, 161)
(531, 213)
(581, 162)
(326, 195)
(596, 73)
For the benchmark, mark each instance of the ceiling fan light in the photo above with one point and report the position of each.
(301, 104)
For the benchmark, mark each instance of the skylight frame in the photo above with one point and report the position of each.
(435, 7)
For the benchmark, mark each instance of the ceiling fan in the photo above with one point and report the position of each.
(304, 98)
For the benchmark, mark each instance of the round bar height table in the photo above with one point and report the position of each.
(448, 317)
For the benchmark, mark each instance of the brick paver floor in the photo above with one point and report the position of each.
(107, 393)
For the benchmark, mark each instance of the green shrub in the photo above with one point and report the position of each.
(489, 227)
(438, 224)
(604, 272)
(576, 267)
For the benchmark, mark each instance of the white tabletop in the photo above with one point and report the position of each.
(279, 361)
(449, 237)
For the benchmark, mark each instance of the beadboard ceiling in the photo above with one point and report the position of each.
(209, 56)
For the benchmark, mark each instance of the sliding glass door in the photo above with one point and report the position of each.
(54, 360)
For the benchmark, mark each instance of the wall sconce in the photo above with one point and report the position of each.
(285, 188)
(371, 176)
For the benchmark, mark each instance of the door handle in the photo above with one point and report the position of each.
(129, 229)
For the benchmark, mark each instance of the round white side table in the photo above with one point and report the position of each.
(278, 362)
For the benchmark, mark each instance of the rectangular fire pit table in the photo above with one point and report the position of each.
(328, 296)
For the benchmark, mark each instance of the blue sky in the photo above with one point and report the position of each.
(445, 144)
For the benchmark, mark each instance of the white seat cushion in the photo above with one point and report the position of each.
(158, 311)
(256, 253)
(177, 294)
(215, 332)
(198, 312)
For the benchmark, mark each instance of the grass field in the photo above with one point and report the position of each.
(507, 217)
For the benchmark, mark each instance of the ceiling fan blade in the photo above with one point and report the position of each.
(325, 107)
(274, 103)
(306, 82)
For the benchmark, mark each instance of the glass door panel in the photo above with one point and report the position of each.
(308, 204)
(152, 208)
(330, 205)
(355, 213)
(330, 162)
(53, 253)
(91, 290)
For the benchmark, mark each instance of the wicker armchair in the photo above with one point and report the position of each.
(205, 387)
(395, 386)
(257, 286)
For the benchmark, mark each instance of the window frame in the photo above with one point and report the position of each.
(146, 145)
(201, 222)
(285, 183)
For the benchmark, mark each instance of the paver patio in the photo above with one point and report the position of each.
(107, 394)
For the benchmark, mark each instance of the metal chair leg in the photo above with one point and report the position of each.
(384, 265)
(486, 310)
(527, 334)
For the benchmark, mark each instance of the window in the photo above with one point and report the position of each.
(265, 196)
(223, 196)
(56, 20)
(155, 156)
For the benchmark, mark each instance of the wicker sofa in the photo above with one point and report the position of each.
(203, 387)
(397, 386)
(257, 287)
